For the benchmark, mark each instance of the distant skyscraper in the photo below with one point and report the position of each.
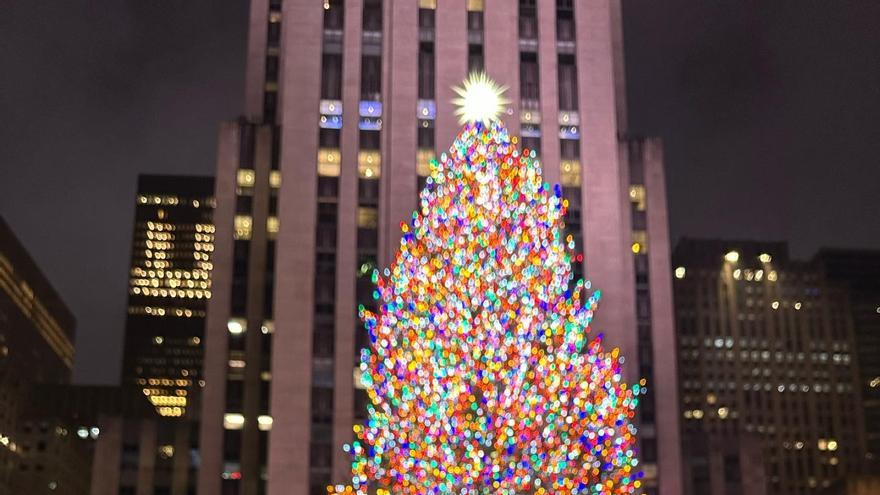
(859, 270)
(766, 353)
(36, 346)
(169, 286)
(346, 103)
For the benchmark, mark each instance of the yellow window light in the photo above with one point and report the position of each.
(243, 227)
(570, 173)
(233, 421)
(246, 177)
(424, 157)
(275, 179)
(328, 162)
(637, 196)
(369, 164)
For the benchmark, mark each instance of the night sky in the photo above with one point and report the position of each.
(768, 111)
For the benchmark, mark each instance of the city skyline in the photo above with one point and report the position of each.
(125, 123)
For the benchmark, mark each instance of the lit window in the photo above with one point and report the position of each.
(246, 177)
(267, 327)
(166, 451)
(368, 218)
(264, 423)
(424, 157)
(158, 340)
(772, 276)
(237, 363)
(233, 421)
(243, 227)
(774, 305)
(639, 242)
(637, 196)
(723, 412)
(475, 5)
(275, 179)
(328, 162)
(427, 4)
(369, 164)
(530, 117)
(570, 173)
(272, 226)
(236, 326)
(732, 256)
(765, 258)
(680, 272)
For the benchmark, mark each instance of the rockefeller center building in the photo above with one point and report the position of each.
(346, 104)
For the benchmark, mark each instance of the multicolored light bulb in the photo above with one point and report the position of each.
(481, 376)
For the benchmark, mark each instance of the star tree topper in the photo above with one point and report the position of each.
(480, 99)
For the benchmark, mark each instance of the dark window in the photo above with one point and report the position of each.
(570, 148)
(373, 15)
(371, 77)
(274, 33)
(328, 138)
(565, 20)
(331, 77)
(528, 77)
(426, 71)
(426, 137)
(426, 18)
(528, 19)
(731, 469)
(568, 93)
(475, 20)
(272, 68)
(369, 140)
(333, 15)
(475, 58)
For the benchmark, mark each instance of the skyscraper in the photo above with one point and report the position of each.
(859, 270)
(767, 357)
(36, 346)
(169, 285)
(346, 103)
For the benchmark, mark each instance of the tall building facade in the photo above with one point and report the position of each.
(767, 354)
(346, 103)
(859, 271)
(36, 346)
(169, 286)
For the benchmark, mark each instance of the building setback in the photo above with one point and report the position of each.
(346, 103)
(36, 346)
(169, 286)
(767, 357)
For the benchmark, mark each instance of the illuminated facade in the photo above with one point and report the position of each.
(36, 346)
(346, 103)
(766, 355)
(169, 285)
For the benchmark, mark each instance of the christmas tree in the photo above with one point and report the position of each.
(481, 375)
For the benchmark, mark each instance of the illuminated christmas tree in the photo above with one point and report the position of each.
(481, 375)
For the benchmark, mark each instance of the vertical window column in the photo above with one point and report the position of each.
(369, 173)
(328, 167)
(426, 110)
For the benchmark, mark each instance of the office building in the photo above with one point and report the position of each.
(346, 103)
(859, 271)
(766, 352)
(36, 346)
(169, 286)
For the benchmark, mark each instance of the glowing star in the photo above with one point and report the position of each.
(480, 99)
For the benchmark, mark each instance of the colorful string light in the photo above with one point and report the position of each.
(480, 373)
